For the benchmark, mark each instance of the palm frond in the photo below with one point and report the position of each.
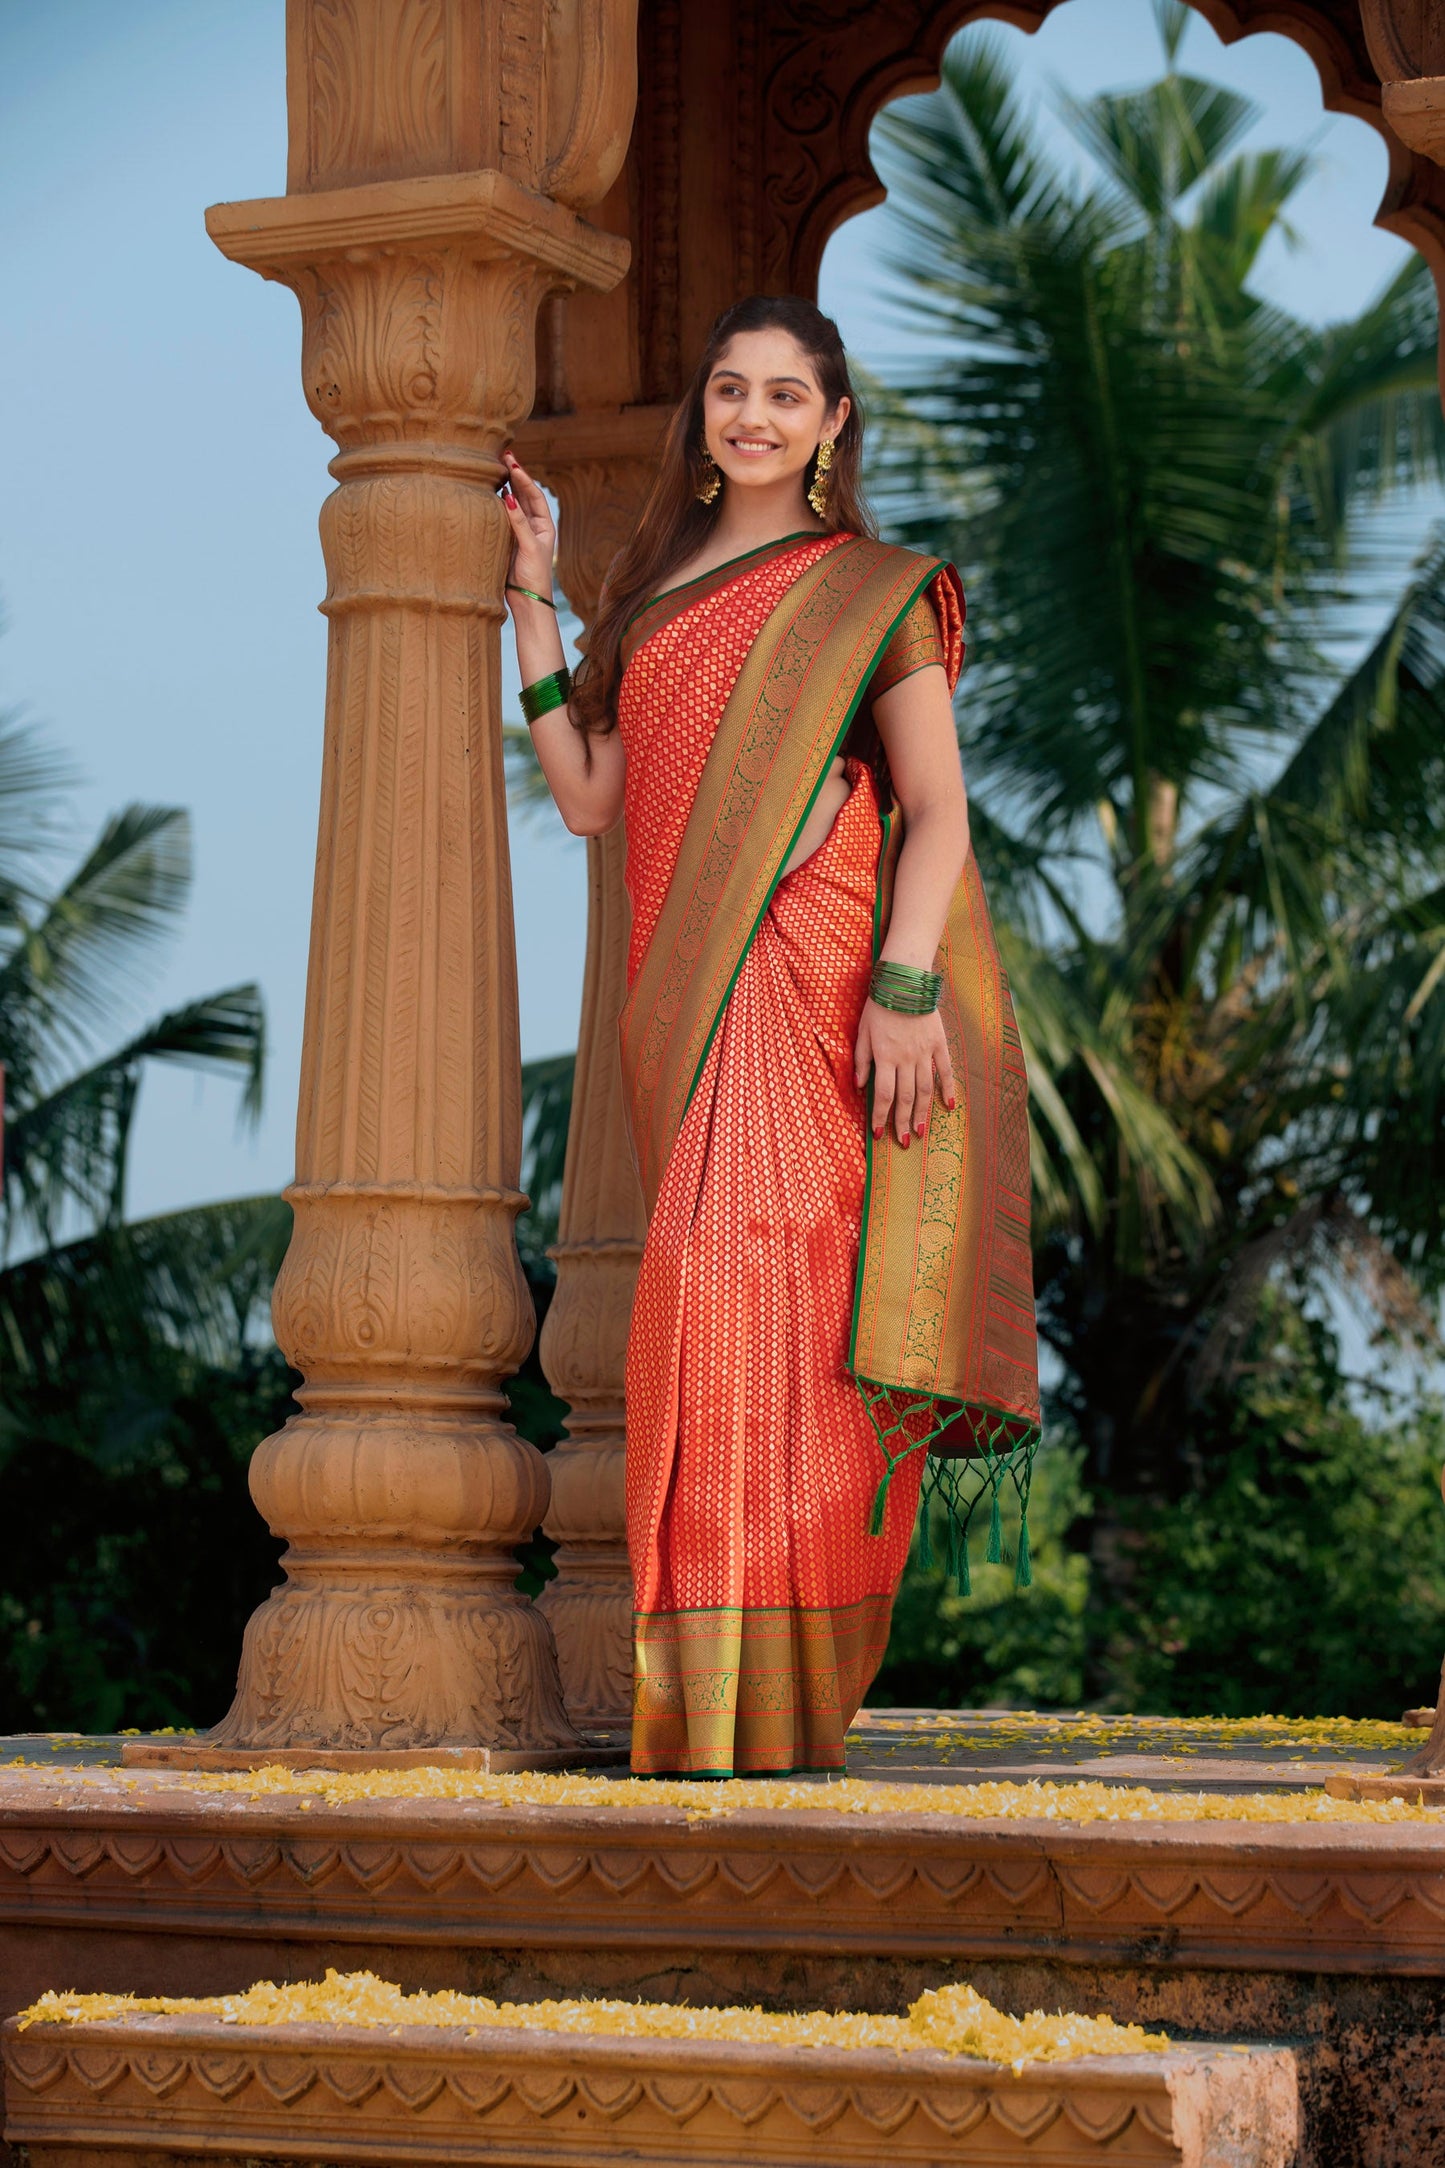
(1359, 793)
(67, 1148)
(198, 1280)
(65, 972)
(966, 157)
(34, 778)
(1239, 208)
(1062, 1033)
(1372, 422)
(546, 1112)
(1157, 142)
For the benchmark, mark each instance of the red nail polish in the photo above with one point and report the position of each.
(918, 1129)
(508, 499)
(878, 1131)
(953, 1106)
(907, 1140)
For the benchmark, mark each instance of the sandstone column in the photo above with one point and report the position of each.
(599, 466)
(438, 152)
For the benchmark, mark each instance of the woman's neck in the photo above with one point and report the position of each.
(748, 519)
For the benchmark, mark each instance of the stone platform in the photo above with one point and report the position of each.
(1326, 1936)
(923, 1746)
(143, 2091)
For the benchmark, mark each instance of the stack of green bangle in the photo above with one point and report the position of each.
(907, 989)
(552, 691)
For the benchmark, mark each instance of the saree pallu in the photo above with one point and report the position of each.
(780, 1241)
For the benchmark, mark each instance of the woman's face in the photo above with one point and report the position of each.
(763, 413)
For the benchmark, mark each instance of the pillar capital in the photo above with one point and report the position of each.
(419, 301)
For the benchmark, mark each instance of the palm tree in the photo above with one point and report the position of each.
(1212, 835)
(69, 957)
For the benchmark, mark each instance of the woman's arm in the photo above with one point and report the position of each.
(906, 1053)
(589, 799)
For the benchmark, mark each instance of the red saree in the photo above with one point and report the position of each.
(802, 1298)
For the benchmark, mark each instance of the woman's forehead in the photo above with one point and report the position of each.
(764, 355)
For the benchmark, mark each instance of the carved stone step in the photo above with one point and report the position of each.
(155, 2091)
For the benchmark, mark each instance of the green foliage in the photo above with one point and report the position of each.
(136, 1369)
(1001, 1646)
(1306, 1576)
(138, 1378)
(1217, 858)
(546, 1111)
(1303, 1575)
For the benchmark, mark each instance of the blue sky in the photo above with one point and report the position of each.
(160, 478)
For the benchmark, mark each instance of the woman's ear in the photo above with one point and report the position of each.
(833, 423)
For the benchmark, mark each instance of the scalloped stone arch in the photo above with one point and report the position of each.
(821, 98)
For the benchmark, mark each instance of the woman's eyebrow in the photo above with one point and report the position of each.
(739, 378)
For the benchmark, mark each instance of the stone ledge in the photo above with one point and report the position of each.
(156, 2089)
(592, 1753)
(118, 1854)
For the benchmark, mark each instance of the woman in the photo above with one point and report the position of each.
(835, 1160)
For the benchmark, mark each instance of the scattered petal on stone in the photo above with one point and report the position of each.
(951, 2020)
(1085, 1801)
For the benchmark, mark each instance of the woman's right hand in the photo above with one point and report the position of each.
(534, 538)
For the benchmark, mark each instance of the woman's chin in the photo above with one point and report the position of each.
(743, 475)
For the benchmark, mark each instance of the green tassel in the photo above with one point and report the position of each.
(958, 1551)
(994, 1553)
(880, 1502)
(925, 1533)
(1024, 1571)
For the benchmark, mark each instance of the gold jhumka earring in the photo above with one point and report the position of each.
(711, 482)
(818, 492)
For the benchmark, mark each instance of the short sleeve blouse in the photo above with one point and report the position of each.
(915, 643)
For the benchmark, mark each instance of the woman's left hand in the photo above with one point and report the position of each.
(907, 1055)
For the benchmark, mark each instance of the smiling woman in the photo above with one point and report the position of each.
(813, 993)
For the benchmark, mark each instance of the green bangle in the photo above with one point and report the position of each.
(905, 988)
(552, 691)
(532, 596)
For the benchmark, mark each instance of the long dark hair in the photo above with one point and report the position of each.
(674, 525)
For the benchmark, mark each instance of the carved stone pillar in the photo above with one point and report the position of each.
(599, 467)
(430, 145)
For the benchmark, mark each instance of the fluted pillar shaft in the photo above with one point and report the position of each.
(401, 1488)
(599, 465)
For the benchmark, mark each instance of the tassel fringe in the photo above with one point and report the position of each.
(956, 1487)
